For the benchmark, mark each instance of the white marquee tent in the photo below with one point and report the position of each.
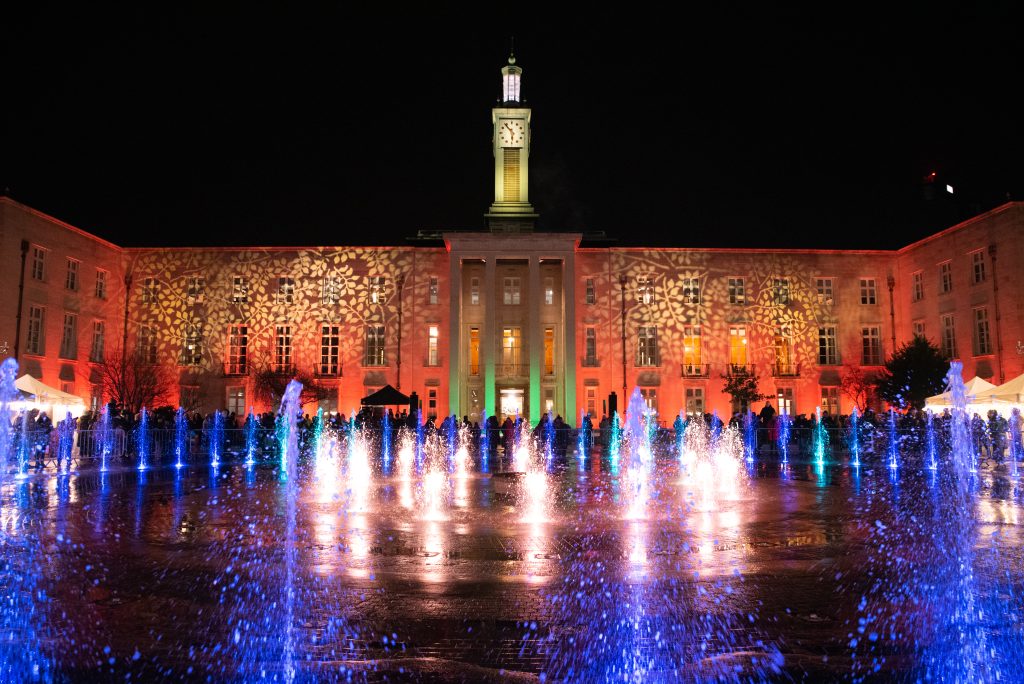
(47, 399)
(1011, 393)
(972, 388)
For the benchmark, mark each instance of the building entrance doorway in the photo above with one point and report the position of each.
(510, 402)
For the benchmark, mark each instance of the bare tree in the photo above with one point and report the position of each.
(857, 385)
(132, 383)
(269, 385)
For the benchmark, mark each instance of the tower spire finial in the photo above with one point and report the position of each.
(511, 49)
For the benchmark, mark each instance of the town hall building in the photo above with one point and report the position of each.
(507, 320)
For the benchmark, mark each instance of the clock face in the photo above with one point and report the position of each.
(511, 132)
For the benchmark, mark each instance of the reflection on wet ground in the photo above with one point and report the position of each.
(784, 572)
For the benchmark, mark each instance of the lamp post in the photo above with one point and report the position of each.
(622, 287)
(891, 282)
(398, 351)
(995, 304)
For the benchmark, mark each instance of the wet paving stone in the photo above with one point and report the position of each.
(179, 576)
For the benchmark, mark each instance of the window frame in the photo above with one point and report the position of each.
(868, 291)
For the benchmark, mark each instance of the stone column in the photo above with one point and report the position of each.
(536, 340)
(454, 336)
(488, 336)
(569, 336)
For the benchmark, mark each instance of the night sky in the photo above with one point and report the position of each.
(266, 124)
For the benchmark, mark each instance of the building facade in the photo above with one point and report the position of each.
(506, 320)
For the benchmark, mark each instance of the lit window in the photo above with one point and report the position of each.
(195, 289)
(511, 290)
(38, 262)
(780, 287)
(549, 351)
(694, 401)
(147, 344)
(644, 289)
(101, 284)
(374, 346)
(737, 291)
(432, 290)
(549, 290)
(34, 339)
(650, 397)
(978, 266)
(96, 351)
(330, 337)
(825, 290)
(982, 339)
(283, 349)
(784, 397)
(432, 338)
(828, 349)
(285, 290)
(738, 347)
(511, 343)
(830, 400)
(474, 291)
(71, 280)
(591, 291)
(917, 293)
(239, 289)
(474, 351)
(784, 351)
(871, 342)
(192, 346)
(150, 290)
(691, 290)
(867, 291)
(948, 336)
(945, 277)
(236, 400)
(69, 338)
(647, 346)
(238, 350)
(692, 365)
(378, 289)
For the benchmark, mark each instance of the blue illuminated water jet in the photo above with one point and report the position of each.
(105, 437)
(216, 438)
(251, 436)
(749, 436)
(290, 409)
(854, 436)
(142, 439)
(65, 443)
(820, 439)
(893, 440)
(784, 423)
(931, 443)
(485, 443)
(385, 440)
(24, 446)
(180, 437)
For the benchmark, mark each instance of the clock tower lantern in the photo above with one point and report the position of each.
(511, 211)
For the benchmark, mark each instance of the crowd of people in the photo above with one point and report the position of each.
(992, 436)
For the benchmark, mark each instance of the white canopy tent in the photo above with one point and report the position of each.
(1011, 393)
(972, 388)
(47, 399)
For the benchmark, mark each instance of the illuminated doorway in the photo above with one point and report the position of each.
(510, 401)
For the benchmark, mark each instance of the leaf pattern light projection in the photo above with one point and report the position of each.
(674, 306)
(350, 273)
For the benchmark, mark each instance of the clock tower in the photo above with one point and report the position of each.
(511, 211)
